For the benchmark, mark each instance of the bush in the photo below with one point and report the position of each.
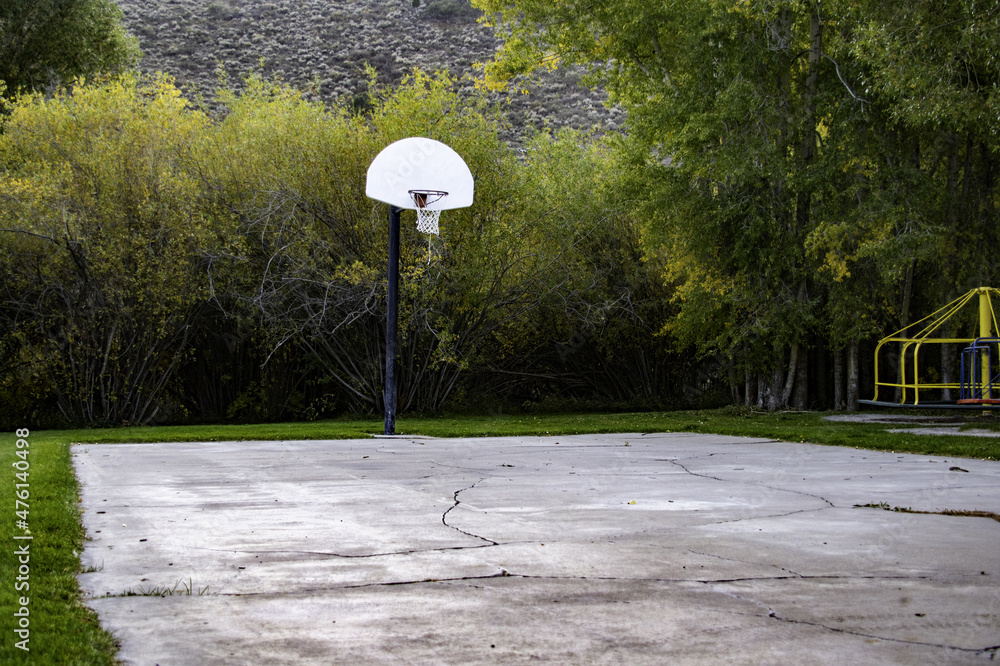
(451, 10)
(161, 264)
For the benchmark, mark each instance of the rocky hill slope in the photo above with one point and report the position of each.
(325, 44)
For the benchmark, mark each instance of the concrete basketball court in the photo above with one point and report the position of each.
(590, 549)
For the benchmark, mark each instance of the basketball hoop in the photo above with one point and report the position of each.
(427, 218)
(409, 175)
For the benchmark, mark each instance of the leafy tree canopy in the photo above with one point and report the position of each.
(806, 168)
(46, 42)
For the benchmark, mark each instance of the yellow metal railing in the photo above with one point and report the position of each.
(909, 380)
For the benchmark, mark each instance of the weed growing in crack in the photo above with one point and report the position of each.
(872, 505)
(964, 513)
(180, 588)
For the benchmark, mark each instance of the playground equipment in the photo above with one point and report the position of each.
(979, 375)
(977, 385)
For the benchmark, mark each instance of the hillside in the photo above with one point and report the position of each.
(325, 44)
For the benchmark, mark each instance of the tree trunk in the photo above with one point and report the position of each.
(852, 377)
(819, 374)
(762, 393)
(776, 389)
(734, 387)
(750, 394)
(793, 362)
(838, 379)
(807, 128)
(801, 394)
(797, 372)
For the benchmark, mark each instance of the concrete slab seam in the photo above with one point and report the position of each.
(761, 485)
(772, 613)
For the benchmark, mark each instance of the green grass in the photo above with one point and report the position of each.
(788, 426)
(65, 631)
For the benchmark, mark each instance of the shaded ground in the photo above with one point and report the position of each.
(662, 548)
(919, 425)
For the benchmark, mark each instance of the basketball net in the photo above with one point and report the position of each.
(427, 220)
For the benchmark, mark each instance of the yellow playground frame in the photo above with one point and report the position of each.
(978, 387)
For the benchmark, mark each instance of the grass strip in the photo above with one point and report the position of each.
(786, 426)
(62, 629)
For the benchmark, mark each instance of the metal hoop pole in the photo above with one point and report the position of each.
(391, 318)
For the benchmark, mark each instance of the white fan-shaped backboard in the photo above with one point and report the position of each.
(419, 163)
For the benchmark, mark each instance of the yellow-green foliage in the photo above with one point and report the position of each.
(101, 170)
(105, 233)
(134, 223)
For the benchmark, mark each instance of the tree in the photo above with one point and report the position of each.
(722, 105)
(594, 337)
(923, 196)
(153, 260)
(791, 157)
(102, 238)
(315, 246)
(44, 43)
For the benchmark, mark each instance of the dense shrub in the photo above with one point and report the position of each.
(159, 265)
(451, 10)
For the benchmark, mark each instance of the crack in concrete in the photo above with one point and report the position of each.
(733, 559)
(770, 515)
(759, 485)
(862, 634)
(812, 577)
(393, 583)
(773, 614)
(415, 551)
(477, 470)
(708, 523)
(444, 516)
(503, 573)
(939, 488)
(711, 583)
(723, 454)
